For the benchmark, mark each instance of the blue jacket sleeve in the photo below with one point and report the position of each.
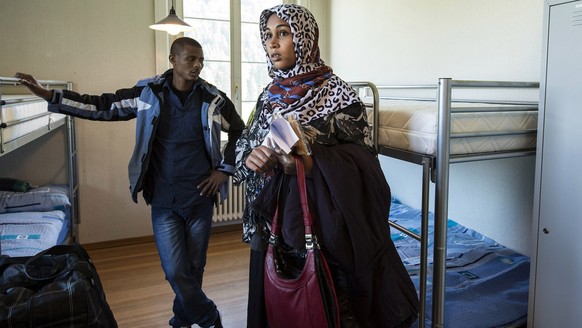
(119, 106)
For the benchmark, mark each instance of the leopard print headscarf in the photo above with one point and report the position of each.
(309, 90)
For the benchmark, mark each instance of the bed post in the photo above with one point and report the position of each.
(427, 163)
(72, 174)
(441, 202)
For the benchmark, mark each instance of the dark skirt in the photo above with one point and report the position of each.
(256, 313)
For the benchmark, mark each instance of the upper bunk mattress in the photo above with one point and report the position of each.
(24, 114)
(412, 126)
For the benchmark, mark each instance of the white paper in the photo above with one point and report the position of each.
(281, 136)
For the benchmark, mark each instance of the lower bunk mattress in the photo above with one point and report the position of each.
(27, 233)
(486, 283)
(35, 220)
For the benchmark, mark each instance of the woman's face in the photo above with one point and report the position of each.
(279, 43)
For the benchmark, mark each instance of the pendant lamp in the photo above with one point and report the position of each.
(172, 24)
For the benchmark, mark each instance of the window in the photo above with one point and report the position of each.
(234, 59)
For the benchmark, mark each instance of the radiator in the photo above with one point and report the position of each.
(231, 210)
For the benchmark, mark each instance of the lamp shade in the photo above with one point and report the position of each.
(172, 24)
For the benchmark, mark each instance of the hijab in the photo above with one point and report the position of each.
(309, 90)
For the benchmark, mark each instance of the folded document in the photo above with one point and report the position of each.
(281, 136)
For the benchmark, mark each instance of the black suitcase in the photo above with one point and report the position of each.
(58, 287)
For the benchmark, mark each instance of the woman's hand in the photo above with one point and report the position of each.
(286, 162)
(32, 84)
(262, 160)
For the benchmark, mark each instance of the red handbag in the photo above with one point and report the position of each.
(298, 295)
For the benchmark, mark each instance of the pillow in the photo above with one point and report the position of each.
(40, 199)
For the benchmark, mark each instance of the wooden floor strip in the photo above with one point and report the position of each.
(140, 297)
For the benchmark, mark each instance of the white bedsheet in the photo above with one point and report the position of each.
(27, 233)
(412, 125)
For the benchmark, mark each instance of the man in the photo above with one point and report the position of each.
(176, 163)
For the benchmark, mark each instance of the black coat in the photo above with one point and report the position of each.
(350, 199)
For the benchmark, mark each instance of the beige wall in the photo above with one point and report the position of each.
(101, 46)
(419, 41)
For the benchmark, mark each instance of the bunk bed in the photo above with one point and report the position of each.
(35, 217)
(424, 125)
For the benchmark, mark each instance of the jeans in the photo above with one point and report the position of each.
(182, 240)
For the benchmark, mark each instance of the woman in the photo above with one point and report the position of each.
(353, 232)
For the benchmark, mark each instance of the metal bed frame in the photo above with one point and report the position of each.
(436, 168)
(71, 146)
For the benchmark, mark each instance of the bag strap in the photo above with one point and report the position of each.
(307, 217)
(56, 270)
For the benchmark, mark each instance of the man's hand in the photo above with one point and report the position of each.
(32, 84)
(211, 185)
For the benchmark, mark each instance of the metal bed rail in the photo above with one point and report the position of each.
(445, 88)
(4, 123)
(436, 168)
(46, 83)
(426, 162)
(71, 142)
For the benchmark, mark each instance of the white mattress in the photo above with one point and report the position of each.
(27, 233)
(412, 125)
(17, 111)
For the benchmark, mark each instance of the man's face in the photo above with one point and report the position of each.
(188, 63)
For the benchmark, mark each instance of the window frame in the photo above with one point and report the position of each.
(164, 40)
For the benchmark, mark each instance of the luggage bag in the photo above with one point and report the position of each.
(58, 287)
